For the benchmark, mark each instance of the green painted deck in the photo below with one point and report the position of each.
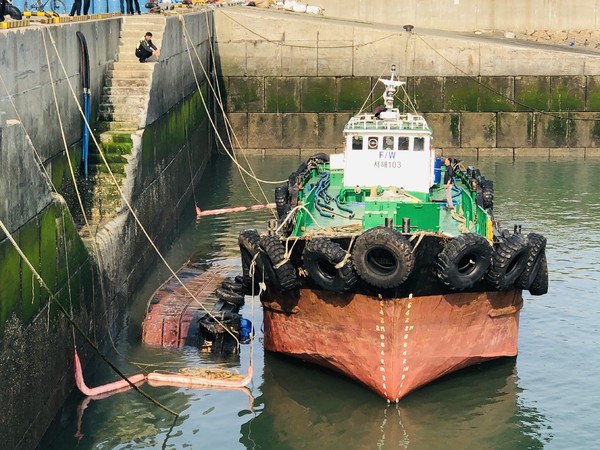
(371, 206)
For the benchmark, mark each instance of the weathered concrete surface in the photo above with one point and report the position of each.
(274, 63)
(470, 15)
(169, 155)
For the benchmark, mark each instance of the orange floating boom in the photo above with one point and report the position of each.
(214, 212)
(117, 385)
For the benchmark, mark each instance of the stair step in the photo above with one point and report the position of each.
(134, 73)
(127, 83)
(120, 91)
(119, 100)
(116, 126)
(115, 137)
(131, 65)
(132, 116)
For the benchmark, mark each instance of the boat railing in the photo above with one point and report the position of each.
(402, 122)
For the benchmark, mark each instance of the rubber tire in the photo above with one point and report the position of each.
(281, 200)
(320, 257)
(283, 278)
(537, 246)
(230, 320)
(383, 257)
(249, 242)
(539, 286)
(508, 262)
(319, 158)
(488, 194)
(13, 12)
(230, 297)
(232, 286)
(464, 261)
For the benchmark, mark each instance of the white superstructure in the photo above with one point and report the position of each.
(388, 148)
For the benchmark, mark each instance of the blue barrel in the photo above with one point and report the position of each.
(437, 170)
(245, 330)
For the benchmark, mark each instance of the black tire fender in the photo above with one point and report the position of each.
(281, 273)
(508, 262)
(321, 256)
(383, 257)
(464, 261)
(13, 12)
(537, 246)
(281, 200)
(249, 242)
(539, 286)
(230, 297)
(231, 321)
(233, 286)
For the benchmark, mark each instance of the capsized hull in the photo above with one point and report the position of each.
(392, 346)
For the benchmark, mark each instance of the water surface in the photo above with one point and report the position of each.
(547, 397)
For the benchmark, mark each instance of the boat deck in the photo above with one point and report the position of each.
(340, 223)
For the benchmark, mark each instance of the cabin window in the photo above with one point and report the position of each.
(357, 142)
(403, 143)
(419, 144)
(388, 142)
(373, 143)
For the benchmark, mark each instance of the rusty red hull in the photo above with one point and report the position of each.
(172, 316)
(392, 346)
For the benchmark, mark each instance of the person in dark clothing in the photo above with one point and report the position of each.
(76, 8)
(86, 6)
(2, 8)
(146, 49)
(448, 182)
(137, 6)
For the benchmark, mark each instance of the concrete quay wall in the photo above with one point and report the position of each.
(168, 156)
(291, 81)
(470, 15)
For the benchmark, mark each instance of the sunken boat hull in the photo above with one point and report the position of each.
(392, 346)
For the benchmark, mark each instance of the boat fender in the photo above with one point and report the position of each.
(383, 257)
(252, 262)
(233, 286)
(464, 261)
(539, 286)
(230, 297)
(277, 266)
(487, 193)
(215, 323)
(508, 261)
(537, 246)
(281, 200)
(319, 158)
(326, 263)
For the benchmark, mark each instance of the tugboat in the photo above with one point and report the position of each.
(370, 271)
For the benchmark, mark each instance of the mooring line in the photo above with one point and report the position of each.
(75, 325)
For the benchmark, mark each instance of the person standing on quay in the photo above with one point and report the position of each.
(448, 182)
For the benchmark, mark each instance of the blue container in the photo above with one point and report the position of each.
(437, 170)
(245, 330)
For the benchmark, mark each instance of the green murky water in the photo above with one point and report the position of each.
(548, 397)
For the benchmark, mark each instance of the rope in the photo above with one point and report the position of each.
(128, 204)
(75, 325)
(233, 159)
(346, 257)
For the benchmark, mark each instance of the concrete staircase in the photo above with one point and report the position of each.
(121, 113)
(125, 97)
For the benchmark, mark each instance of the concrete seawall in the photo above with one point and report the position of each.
(482, 93)
(92, 277)
(290, 81)
(470, 15)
